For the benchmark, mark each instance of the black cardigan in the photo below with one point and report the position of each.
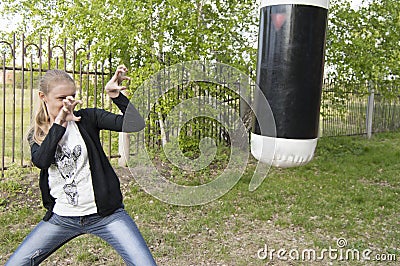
(106, 186)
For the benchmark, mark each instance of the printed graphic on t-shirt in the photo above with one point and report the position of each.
(66, 164)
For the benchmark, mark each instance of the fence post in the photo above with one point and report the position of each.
(123, 147)
(370, 110)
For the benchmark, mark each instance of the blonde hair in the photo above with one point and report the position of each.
(41, 123)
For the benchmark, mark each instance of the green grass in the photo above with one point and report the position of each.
(350, 190)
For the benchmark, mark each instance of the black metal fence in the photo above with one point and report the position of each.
(220, 93)
(22, 64)
(356, 109)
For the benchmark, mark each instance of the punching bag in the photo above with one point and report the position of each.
(290, 65)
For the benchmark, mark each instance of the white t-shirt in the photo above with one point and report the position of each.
(70, 180)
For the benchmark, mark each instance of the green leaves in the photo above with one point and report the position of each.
(141, 32)
(363, 44)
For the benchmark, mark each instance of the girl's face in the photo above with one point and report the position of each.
(55, 96)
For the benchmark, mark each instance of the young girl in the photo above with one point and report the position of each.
(79, 188)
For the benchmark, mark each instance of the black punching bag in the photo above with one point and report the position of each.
(290, 67)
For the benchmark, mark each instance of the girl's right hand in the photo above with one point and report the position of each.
(66, 113)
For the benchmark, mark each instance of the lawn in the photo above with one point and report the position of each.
(347, 196)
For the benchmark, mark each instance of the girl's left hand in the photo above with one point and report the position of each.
(113, 87)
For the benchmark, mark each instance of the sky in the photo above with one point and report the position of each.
(356, 3)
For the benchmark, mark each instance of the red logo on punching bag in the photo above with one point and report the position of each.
(278, 20)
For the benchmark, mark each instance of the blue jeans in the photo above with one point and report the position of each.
(118, 229)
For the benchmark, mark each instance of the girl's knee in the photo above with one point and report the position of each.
(28, 259)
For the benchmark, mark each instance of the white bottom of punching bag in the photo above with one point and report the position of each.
(281, 152)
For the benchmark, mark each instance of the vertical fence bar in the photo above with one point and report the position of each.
(110, 108)
(14, 104)
(80, 79)
(178, 93)
(199, 119)
(205, 119)
(3, 135)
(102, 85)
(228, 112)
(73, 59)
(31, 92)
(49, 53)
(65, 54)
(154, 129)
(216, 123)
(209, 119)
(210, 104)
(22, 100)
(95, 86)
(88, 76)
(149, 118)
(80, 70)
(388, 108)
(392, 116)
(102, 98)
(40, 56)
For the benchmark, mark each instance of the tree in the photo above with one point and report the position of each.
(147, 35)
(363, 44)
(144, 34)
